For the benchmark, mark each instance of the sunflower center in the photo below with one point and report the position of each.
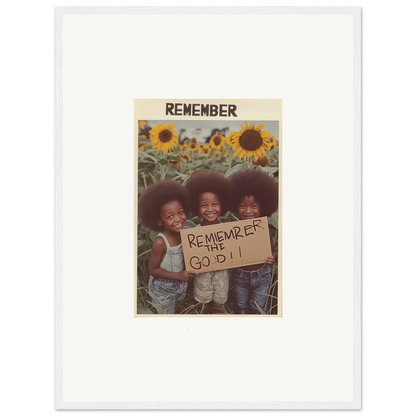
(217, 140)
(192, 145)
(165, 136)
(251, 140)
(262, 161)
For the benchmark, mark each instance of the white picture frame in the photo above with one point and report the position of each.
(100, 348)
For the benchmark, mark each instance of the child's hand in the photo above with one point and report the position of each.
(270, 260)
(184, 275)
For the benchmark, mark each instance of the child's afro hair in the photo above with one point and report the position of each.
(253, 182)
(207, 181)
(155, 196)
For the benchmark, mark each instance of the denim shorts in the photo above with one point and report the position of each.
(166, 293)
(252, 288)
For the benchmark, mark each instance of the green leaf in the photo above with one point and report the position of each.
(173, 158)
(270, 171)
(139, 243)
(228, 217)
(143, 141)
(153, 235)
(236, 168)
(189, 224)
(141, 311)
(145, 155)
(274, 220)
(146, 165)
(260, 309)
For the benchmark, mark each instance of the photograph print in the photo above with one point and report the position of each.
(207, 208)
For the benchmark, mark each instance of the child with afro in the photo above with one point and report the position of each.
(253, 195)
(162, 207)
(208, 192)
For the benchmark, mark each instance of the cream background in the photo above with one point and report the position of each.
(307, 356)
(248, 109)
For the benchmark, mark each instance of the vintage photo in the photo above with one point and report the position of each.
(207, 217)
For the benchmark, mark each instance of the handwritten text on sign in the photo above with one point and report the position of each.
(225, 246)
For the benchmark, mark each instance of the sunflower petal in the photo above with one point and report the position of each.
(259, 127)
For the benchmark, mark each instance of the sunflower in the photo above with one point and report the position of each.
(205, 149)
(142, 123)
(273, 141)
(194, 146)
(250, 141)
(163, 137)
(262, 161)
(184, 147)
(216, 153)
(177, 163)
(185, 158)
(227, 139)
(217, 141)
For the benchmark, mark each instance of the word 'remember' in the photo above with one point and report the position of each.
(213, 241)
(209, 110)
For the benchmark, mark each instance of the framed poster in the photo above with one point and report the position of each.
(143, 111)
(229, 149)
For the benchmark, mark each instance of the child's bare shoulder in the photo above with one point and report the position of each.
(159, 244)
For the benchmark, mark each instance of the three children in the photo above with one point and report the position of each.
(162, 207)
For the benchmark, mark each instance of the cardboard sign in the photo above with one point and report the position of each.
(225, 246)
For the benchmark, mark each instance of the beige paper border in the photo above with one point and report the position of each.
(262, 110)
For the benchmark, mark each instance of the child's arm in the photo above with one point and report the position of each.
(156, 257)
(272, 259)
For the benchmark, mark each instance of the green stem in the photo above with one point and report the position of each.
(154, 179)
(167, 170)
(230, 160)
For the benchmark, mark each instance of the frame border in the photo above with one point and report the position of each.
(55, 238)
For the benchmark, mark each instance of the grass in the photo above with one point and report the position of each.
(190, 306)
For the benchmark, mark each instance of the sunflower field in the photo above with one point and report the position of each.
(161, 155)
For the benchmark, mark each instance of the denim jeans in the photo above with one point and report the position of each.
(166, 294)
(252, 288)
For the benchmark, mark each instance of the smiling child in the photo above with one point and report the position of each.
(253, 195)
(208, 192)
(162, 207)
